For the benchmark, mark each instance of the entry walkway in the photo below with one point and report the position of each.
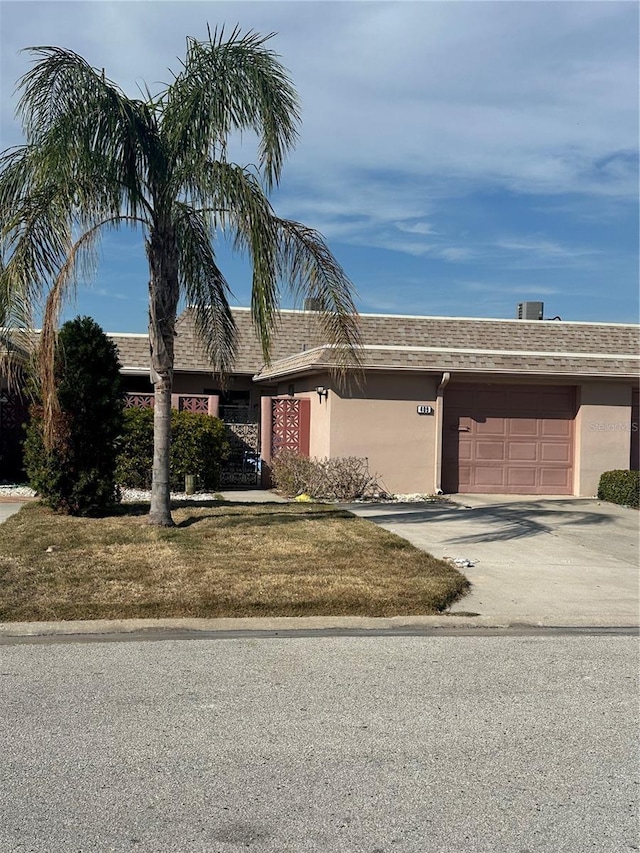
(9, 507)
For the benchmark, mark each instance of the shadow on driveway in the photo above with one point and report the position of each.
(501, 521)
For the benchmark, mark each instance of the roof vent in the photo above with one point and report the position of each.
(311, 304)
(530, 310)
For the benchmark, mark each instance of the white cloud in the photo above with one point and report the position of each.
(546, 248)
(415, 227)
(528, 95)
(408, 108)
(456, 253)
(517, 289)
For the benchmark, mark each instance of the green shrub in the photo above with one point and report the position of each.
(77, 474)
(135, 449)
(198, 446)
(340, 478)
(620, 487)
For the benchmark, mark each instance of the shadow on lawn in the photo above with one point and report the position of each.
(128, 509)
(278, 513)
(266, 519)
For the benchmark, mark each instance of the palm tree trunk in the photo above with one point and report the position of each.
(163, 306)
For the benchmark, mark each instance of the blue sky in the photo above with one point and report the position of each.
(460, 157)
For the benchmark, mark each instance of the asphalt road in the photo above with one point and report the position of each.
(478, 744)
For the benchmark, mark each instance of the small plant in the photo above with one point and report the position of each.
(291, 472)
(343, 478)
(620, 487)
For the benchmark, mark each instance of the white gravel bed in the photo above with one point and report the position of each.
(141, 496)
(128, 495)
(416, 498)
(12, 491)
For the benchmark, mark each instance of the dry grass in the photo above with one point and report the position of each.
(220, 560)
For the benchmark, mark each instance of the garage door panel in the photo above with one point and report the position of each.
(488, 476)
(520, 401)
(494, 450)
(522, 477)
(552, 479)
(510, 439)
(464, 477)
(522, 451)
(555, 452)
(465, 453)
(549, 427)
(491, 426)
(523, 426)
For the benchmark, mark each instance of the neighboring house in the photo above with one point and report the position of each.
(13, 405)
(452, 404)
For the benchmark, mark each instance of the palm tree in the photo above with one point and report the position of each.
(95, 158)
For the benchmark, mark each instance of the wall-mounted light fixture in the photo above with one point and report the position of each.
(321, 391)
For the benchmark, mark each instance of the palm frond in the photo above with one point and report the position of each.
(229, 85)
(16, 351)
(37, 226)
(205, 288)
(310, 270)
(35, 236)
(87, 132)
(231, 199)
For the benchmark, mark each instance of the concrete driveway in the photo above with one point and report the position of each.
(540, 561)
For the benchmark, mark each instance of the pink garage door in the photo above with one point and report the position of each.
(508, 439)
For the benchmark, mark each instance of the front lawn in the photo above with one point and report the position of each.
(220, 560)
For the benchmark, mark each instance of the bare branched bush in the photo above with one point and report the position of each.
(341, 478)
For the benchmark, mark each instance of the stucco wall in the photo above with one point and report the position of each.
(380, 421)
(603, 432)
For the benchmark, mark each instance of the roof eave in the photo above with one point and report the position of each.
(482, 371)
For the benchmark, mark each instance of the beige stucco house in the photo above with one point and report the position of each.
(539, 407)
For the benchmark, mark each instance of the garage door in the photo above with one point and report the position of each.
(508, 439)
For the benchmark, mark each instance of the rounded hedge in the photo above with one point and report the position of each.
(620, 487)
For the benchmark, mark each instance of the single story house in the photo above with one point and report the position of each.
(532, 407)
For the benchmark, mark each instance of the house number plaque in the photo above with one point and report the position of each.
(425, 410)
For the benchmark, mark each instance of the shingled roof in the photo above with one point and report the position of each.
(415, 343)
(460, 361)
